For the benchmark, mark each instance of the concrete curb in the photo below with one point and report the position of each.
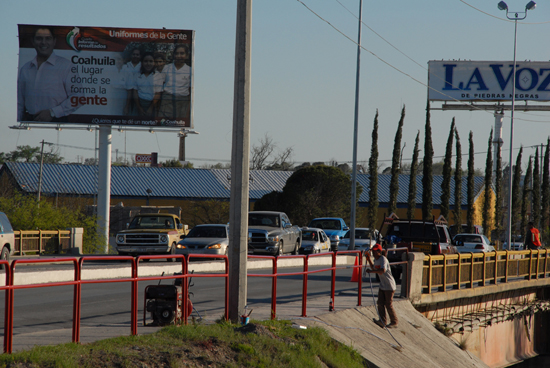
(91, 271)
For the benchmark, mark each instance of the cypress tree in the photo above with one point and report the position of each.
(545, 189)
(470, 186)
(411, 205)
(395, 168)
(516, 196)
(458, 185)
(488, 181)
(427, 177)
(498, 189)
(447, 169)
(373, 177)
(525, 196)
(536, 190)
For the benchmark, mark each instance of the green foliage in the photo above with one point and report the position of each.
(470, 186)
(447, 168)
(516, 192)
(25, 214)
(458, 184)
(372, 215)
(317, 191)
(488, 182)
(395, 169)
(411, 205)
(27, 153)
(498, 195)
(259, 344)
(208, 212)
(536, 190)
(172, 163)
(427, 174)
(525, 198)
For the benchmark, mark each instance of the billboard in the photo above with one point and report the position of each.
(105, 76)
(488, 80)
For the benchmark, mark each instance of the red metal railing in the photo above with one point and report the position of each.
(77, 283)
(275, 274)
(185, 275)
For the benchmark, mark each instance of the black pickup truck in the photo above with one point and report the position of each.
(429, 237)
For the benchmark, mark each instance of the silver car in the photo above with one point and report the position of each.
(475, 243)
(365, 238)
(205, 239)
(314, 241)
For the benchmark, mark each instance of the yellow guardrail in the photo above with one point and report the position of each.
(468, 270)
(41, 241)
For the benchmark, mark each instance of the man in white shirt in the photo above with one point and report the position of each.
(176, 100)
(130, 71)
(45, 91)
(387, 287)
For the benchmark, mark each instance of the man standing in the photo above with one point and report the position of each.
(130, 71)
(532, 238)
(44, 83)
(387, 287)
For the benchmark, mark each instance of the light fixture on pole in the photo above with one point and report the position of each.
(503, 6)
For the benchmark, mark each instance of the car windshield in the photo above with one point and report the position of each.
(152, 222)
(469, 239)
(359, 234)
(257, 219)
(416, 231)
(310, 235)
(325, 224)
(207, 232)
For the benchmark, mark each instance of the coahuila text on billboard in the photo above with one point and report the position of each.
(527, 79)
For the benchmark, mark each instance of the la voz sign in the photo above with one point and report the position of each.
(487, 80)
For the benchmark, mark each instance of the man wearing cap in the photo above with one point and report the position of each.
(387, 287)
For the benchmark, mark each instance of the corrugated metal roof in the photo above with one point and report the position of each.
(194, 183)
(403, 194)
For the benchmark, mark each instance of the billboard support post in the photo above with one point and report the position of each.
(104, 184)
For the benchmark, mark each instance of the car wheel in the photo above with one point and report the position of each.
(296, 248)
(172, 252)
(5, 256)
(280, 253)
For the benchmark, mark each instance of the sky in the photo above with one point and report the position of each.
(303, 74)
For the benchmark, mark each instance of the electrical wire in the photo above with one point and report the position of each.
(493, 16)
(403, 72)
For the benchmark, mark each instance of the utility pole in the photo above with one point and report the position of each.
(240, 151)
(40, 171)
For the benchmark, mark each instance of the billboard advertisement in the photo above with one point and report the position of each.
(105, 76)
(488, 80)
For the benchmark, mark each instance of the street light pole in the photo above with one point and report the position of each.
(502, 6)
(355, 131)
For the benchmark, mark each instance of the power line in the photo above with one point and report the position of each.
(399, 70)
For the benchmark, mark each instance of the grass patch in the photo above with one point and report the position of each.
(259, 344)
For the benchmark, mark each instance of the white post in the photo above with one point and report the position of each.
(104, 185)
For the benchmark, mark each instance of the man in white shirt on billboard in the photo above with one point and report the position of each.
(130, 71)
(44, 84)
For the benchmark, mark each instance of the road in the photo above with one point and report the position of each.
(44, 315)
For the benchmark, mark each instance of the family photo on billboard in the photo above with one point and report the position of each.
(105, 76)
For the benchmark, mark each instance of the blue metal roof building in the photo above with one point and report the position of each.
(192, 184)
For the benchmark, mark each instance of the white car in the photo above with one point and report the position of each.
(364, 239)
(472, 243)
(205, 239)
(314, 241)
(517, 244)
